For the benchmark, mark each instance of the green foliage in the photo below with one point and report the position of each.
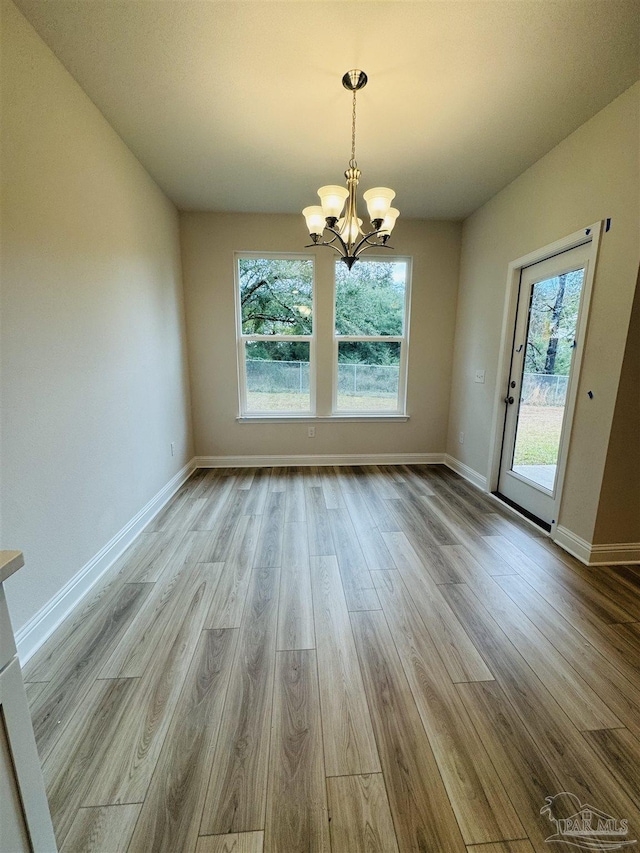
(277, 350)
(276, 298)
(369, 352)
(370, 298)
(552, 324)
(370, 301)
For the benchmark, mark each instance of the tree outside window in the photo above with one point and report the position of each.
(276, 336)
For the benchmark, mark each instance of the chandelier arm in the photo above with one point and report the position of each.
(375, 246)
(330, 242)
(337, 236)
(366, 239)
(365, 244)
(329, 245)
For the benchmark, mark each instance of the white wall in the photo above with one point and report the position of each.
(208, 243)
(94, 379)
(591, 175)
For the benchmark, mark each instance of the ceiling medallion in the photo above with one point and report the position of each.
(345, 232)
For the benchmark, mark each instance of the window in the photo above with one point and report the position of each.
(275, 308)
(370, 342)
(276, 303)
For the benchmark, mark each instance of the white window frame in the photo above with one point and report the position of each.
(242, 339)
(403, 340)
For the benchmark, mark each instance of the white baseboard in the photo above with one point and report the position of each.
(305, 461)
(34, 633)
(613, 554)
(466, 472)
(577, 547)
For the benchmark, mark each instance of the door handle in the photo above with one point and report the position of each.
(509, 400)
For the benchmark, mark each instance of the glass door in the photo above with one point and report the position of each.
(536, 425)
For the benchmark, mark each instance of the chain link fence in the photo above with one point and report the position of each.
(381, 380)
(543, 389)
(354, 380)
(368, 380)
(276, 377)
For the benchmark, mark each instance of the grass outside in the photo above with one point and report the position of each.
(538, 436)
(286, 401)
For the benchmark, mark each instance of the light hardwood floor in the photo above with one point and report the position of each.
(306, 660)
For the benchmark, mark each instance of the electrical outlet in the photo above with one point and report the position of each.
(311, 432)
(173, 448)
(480, 376)
(461, 437)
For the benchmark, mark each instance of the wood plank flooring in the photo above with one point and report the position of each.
(339, 660)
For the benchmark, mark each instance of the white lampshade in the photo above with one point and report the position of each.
(315, 219)
(389, 221)
(351, 232)
(332, 199)
(379, 201)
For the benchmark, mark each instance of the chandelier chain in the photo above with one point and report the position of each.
(352, 162)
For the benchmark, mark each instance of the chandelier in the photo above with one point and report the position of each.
(345, 233)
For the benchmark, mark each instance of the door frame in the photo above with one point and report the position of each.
(590, 235)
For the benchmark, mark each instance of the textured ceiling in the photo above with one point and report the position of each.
(238, 106)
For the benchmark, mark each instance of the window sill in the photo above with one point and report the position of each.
(312, 419)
